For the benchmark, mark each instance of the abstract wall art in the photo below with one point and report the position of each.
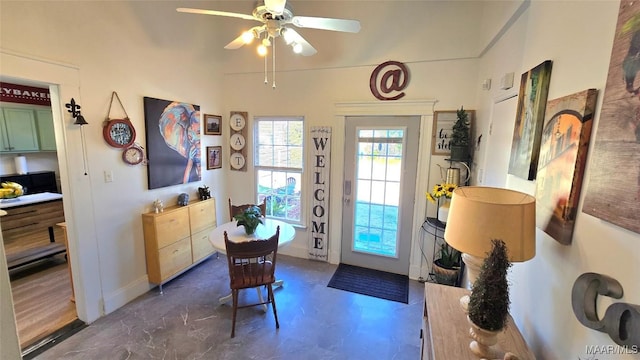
(173, 142)
(532, 99)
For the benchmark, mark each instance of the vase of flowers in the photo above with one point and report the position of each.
(441, 194)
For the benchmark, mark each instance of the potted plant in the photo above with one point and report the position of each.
(489, 300)
(250, 218)
(460, 137)
(446, 267)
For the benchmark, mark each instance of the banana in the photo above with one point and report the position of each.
(11, 185)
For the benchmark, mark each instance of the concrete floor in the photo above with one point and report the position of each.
(316, 322)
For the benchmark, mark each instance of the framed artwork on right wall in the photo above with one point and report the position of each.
(532, 100)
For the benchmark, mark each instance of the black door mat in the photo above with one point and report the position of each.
(371, 282)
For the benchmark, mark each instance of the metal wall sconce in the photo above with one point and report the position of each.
(74, 109)
(621, 320)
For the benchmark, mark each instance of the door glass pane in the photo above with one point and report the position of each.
(378, 172)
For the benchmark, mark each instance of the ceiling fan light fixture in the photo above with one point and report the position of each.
(297, 48)
(262, 50)
(248, 36)
(287, 36)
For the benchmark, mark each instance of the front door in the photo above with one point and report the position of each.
(381, 158)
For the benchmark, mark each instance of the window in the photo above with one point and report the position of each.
(279, 165)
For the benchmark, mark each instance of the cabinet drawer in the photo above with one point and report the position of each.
(174, 258)
(202, 215)
(171, 226)
(200, 244)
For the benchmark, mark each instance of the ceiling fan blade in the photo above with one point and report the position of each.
(235, 44)
(344, 25)
(307, 49)
(240, 41)
(214, 12)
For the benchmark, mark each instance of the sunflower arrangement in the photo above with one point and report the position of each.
(440, 190)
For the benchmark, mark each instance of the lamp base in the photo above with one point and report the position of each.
(473, 265)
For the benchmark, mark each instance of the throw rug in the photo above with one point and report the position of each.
(376, 283)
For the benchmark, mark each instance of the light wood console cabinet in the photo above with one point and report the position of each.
(445, 328)
(177, 239)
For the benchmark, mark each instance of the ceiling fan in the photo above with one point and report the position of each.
(276, 18)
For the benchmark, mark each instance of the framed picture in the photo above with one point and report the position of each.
(563, 156)
(212, 124)
(613, 190)
(214, 157)
(443, 122)
(173, 142)
(532, 99)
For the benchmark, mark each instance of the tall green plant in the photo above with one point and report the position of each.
(489, 300)
(460, 135)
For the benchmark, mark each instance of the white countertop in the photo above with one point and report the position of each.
(29, 199)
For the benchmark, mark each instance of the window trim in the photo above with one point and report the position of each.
(302, 170)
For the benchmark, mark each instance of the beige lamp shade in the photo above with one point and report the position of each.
(480, 214)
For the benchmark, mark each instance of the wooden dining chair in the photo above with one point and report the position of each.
(236, 209)
(252, 264)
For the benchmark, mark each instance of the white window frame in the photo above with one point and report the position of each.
(257, 168)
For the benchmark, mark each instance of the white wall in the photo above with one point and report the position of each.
(578, 37)
(113, 46)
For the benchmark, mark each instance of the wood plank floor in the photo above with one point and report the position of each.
(41, 291)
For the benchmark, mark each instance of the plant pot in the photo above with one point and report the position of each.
(250, 230)
(443, 275)
(483, 340)
(459, 152)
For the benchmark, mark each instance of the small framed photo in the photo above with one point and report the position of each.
(212, 124)
(214, 157)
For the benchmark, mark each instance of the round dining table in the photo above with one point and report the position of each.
(263, 231)
(236, 233)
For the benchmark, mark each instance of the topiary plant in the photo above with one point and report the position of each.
(489, 300)
(460, 136)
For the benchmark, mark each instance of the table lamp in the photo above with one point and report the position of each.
(479, 214)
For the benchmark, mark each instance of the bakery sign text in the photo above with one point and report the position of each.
(24, 94)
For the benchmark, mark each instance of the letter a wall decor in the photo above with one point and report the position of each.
(320, 169)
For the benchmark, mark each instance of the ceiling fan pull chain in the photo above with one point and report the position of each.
(273, 51)
(265, 70)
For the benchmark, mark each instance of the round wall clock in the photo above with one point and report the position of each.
(119, 133)
(237, 122)
(237, 141)
(133, 155)
(237, 161)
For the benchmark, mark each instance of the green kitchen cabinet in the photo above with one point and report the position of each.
(18, 131)
(46, 134)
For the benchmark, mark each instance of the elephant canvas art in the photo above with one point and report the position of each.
(173, 142)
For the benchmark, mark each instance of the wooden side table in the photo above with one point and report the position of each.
(445, 328)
